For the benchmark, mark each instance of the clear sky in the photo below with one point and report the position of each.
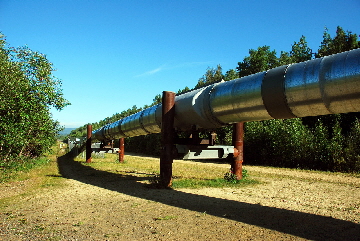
(113, 54)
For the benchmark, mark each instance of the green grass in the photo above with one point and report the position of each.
(186, 174)
(18, 169)
(12, 170)
(215, 183)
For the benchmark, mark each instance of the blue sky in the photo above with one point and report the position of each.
(111, 55)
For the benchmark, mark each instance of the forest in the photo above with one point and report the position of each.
(328, 143)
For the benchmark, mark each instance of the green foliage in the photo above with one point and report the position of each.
(343, 41)
(157, 99)
(211, 76)
(215, 183)
(275, 142)
(224, 135)
(229, 180)
(183, 91)
(300, 51)
(352, 149)
(230, 75)
(290, 143)
(28, 90)
(149, 144)
(12, 168)
(259, 60)
(285, 58)
(263, 58)
(232, 178)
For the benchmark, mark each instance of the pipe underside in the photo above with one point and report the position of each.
(328, 85)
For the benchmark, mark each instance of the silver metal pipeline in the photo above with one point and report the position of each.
(327, 85)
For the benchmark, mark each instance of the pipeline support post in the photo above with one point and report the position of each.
(88, 143)
(238, 142)
(167, 138)
(121, 150)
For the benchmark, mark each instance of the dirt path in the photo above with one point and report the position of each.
(97, 205)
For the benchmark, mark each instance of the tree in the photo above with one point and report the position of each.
(211, 76)
(157, 99)
(259, 60)
(325, 48)
(183, 91)
(343, 41)
(300, 51)
(28, 90)
(285, 58)
(230, 75)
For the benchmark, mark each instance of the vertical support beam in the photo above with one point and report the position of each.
(121, 150)
(88, 144)
(195, 139)
(167, 138)
(212, 138)
(238, 142)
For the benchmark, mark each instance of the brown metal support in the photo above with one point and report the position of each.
(121, 150)
(167, 138)
(88, 144)
(195, 137)
(238, 142)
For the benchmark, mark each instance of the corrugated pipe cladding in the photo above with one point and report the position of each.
(328, 85)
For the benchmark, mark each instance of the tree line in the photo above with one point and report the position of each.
(328, 143)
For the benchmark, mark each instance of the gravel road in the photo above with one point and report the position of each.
(97, 205)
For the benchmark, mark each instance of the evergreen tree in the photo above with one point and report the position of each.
(300, 51)
(157, 99)
(186, 89)
(343, 41)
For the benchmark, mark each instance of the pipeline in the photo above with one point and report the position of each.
(328, 85)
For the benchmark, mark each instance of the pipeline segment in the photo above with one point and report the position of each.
(328, 85)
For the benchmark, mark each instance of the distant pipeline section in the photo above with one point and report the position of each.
(328, 85)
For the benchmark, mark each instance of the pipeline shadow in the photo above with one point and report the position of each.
(304, 225)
